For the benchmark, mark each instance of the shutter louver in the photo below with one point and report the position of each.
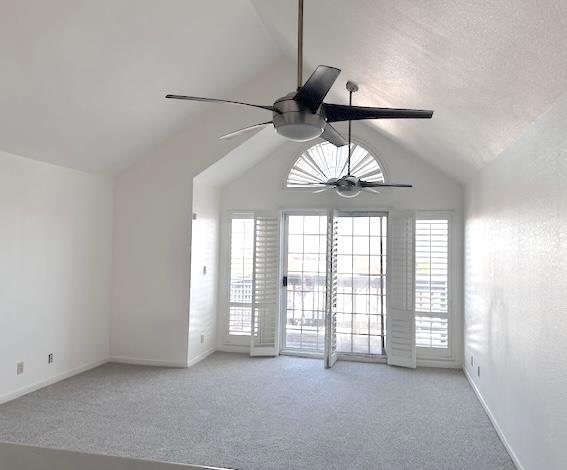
(400, 286)
(432, 283)
(264, 337)
(331, 292)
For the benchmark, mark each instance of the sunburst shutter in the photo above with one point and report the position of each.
(324, 161)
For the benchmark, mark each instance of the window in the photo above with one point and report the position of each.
(241, 274)
(432, 282)
(324, 161)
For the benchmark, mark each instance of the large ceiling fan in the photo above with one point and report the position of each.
(302, 115)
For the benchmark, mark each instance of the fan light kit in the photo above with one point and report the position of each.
(302, 115)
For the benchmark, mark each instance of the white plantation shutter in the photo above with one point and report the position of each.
(264, 337)
(432, 282)
(400, 288)
(331, 292)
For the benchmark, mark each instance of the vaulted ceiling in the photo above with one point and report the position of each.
(82, 80)
(487, 67)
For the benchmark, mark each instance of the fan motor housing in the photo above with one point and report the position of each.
(295, 122)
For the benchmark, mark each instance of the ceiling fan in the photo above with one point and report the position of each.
(302, 115)
(350, 186)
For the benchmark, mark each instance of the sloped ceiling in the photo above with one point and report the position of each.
(487, 67)
(82, 81)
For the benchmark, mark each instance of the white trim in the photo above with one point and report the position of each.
(229, 339)
(235, 348)
(200, 357)
(298, 353)
(355, 357)
(497, 427)
(356, 141)
(439, 355)
(439, 363)
(146, 362)
(44, 383)
(284, 215)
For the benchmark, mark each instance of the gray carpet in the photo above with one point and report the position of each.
(281, 413)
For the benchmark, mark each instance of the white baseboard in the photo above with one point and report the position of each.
(200, 357)
(51, 380)
(145, 362)
(440, 363)
(501, 435)
(234, 348)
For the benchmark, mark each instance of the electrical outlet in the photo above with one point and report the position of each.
(202, 339)
(50, 358)
(20, 368)
(478, 371)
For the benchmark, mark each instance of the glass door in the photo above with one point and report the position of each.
(361, 283)
(359, 315)
(305, 257)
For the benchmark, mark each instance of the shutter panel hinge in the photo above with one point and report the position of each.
(284, 281)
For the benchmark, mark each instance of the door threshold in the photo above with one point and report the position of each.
(291, 352)
(375, 358)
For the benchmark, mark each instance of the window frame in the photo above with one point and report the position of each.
(356, 141)
(449, 353)
(239, 340)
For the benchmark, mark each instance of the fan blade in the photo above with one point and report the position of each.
(370, 184)
(214, 100)
(340, 112)
(316, 87)
(315, 185)
(322, 190)
(330, 134)
(244, 130)
(371, 190)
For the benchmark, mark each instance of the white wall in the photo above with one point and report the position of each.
(262, 188)
(204, 270)
(152, 226)
(55, 266)
(516, 286)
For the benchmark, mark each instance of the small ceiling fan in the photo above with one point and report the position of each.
(302, 115)
(350, 186)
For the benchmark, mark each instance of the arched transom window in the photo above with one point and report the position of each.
(324, 161)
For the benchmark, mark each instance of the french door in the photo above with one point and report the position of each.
(304, 291)
(334, 277)
(361, 283)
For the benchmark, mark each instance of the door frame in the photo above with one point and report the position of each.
(284, 215)
(361, 357)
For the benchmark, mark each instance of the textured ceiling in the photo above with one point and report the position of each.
(487, 67)
(82, 81)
